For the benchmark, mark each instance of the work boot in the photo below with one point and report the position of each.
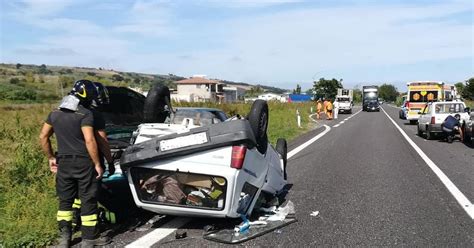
(100, 241)
(64, 240)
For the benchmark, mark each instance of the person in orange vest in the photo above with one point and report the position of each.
(329, 108)
(325, 104)
(319, 108)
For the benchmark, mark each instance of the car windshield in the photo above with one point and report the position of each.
(449, 108)
(342, 99)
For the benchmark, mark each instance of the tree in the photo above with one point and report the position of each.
(468, 91)
(327, 88)
(388, 92)
(297, 90)
(254, 91)
(459, 87)
(117, 77)
(18, 65)
(357, 95)
(43, 69)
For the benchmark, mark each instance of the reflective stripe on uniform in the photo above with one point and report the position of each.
(77, 203)
(110, 216)
(89, 220)
(64, 215)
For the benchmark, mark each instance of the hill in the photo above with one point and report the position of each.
(33, 83)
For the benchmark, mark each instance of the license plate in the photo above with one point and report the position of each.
(184, 141)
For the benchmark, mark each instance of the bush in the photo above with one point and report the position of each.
(14, 80)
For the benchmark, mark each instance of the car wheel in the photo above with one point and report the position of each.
(419, 130)
(429, 135)
(154, 109)
(450, 139)
(258, 119)
(466, 137)
(282, 149)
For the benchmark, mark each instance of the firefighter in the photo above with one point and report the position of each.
(103, 146)
(329, 109)
(319, 108)
(77, 163)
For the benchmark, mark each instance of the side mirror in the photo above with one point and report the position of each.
(467, 110)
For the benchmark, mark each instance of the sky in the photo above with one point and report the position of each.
(270, 42)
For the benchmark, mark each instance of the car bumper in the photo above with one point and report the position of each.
(372, 109)
(435, 128)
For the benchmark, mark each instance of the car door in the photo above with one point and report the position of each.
(424, 117)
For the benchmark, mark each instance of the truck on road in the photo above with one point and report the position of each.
(369, 94)
(344, 97)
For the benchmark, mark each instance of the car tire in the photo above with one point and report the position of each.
(419, 132)
(466, 137)
(258, 119)
(154, 110)
(282, 149)
(413, 122)
(429, 135)
(450, 139)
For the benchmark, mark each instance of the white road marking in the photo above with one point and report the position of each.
(337, 125)
(311, 117)
(458, 195)
(342, 122)
(307, 143)
(159, 233)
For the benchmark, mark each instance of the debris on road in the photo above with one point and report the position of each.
(273, 218)
(180, 234)
(314, 214)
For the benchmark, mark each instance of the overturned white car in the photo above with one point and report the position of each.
(202, 165)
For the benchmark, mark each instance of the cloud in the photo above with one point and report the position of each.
(38, 8)
(47, 51)
(251, 3)
(333, 39)
(148, 18)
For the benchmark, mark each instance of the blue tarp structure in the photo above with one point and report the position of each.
(299, 98)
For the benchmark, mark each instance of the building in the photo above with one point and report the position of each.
(233, 93)
(199, 89)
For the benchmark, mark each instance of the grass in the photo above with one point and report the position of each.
(27, 196)
(469, 104)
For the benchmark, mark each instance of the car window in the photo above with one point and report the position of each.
(450, 108)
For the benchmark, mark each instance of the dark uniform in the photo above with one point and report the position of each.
(76, 174)
(99, 124)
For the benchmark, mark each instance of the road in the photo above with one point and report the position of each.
(371, 188)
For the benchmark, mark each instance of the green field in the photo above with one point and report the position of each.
(27, 197)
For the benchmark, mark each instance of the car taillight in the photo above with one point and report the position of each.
(238, 157)
(433, 120)
(407, 104)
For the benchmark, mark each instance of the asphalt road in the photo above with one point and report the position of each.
(371, 188)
